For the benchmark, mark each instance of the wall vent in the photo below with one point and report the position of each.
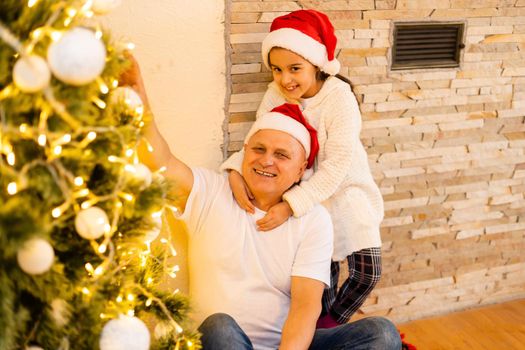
(426, 45)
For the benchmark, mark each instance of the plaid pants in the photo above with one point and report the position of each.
(364, 269)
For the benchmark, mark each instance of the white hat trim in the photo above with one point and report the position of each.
(281, 122)
(296, 41)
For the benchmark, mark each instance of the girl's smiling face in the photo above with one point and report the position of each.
(296, 77)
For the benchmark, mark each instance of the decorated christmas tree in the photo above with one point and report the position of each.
(80, 262)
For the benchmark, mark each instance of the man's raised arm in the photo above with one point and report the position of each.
(159, 154)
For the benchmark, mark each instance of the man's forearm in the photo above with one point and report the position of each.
(299, 327)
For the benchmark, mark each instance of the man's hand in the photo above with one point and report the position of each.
(241, 192)
(277, 215)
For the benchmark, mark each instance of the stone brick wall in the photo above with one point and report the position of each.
(446, 146)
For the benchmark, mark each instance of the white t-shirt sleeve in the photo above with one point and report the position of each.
(313, 257)
(206, 183)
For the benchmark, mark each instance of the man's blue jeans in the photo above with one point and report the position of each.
(221, 332)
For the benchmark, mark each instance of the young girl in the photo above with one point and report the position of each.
(299, 50)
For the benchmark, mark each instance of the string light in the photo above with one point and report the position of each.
(12, 188)
(11, 158)
(78, 181)
(57, 150)
(89, 268)
(102, 248)
(149, 302)
(42, 139)
(100, 104)
(31, 3)
(119, 299)
(86, 291)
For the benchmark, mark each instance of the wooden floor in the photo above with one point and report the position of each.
(495, 327)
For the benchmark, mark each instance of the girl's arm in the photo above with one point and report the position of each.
(340, 149)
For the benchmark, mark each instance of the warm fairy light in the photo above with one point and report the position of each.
(118, 204)
(127, 196)
(82, 193)
(89, 268)
(31, 3)
(130, 46)
(98, 34)
(91, 135)
(56, 35)
(103, 315)
(57, 150)
(37, 33)
(79, 181)
(114, 83)
(100, 104)
(141, 124)
(102, 248)
(131, 313)
(11, 158)
(119, 299)
(130, 297)
(42, 139)
(114, 159)
(107, 228)
(190, 343)
(149, 302)
(149, 282)
(67, 21)
(102, 86)
(129, 152)
(89, 14)
(156, 214)
(99, 271)
(66, 138)
(139, 111)
(86, 204)
(162, 169)
(23, 128)
(56, 212)
(12, 188)
(71, 12)
(163, 240)
(86, 291)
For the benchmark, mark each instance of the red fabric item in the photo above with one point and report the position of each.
(293, 111)
(405, 345)
(326, 321)
(313, 23)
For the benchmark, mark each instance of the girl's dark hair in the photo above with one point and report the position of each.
(320, 75)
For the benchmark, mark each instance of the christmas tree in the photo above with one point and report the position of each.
(80, 265)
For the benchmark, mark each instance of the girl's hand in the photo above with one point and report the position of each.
(241, 192)
(277, 215)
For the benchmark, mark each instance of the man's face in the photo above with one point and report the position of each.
(273, 162)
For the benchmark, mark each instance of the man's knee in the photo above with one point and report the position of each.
(385, 333)
(218, 324)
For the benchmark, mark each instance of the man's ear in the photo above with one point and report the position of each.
(302, 170)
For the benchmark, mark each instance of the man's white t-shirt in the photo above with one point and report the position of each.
(245, 273)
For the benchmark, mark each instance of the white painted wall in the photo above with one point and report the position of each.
(180, 49)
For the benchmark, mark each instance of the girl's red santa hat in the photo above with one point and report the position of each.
(309, 34)
(289, 119)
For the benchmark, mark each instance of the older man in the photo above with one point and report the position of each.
(252, 289)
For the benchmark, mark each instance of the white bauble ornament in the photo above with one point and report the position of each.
(154, 232)
(36, 256)
(31, 73)
(104, 6)
(140, 173)
(130, 98)
(78, 57)
(91, 223)
(125, 333)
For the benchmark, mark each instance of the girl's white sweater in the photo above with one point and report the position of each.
(342, 180)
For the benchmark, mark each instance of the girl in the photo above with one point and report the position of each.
(299, 50)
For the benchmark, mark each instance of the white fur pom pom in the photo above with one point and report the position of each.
(332, 67)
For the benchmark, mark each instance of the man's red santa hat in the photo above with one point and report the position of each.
(289, 119)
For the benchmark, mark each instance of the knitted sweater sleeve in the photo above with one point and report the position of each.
(343, 126)
(271, 99)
